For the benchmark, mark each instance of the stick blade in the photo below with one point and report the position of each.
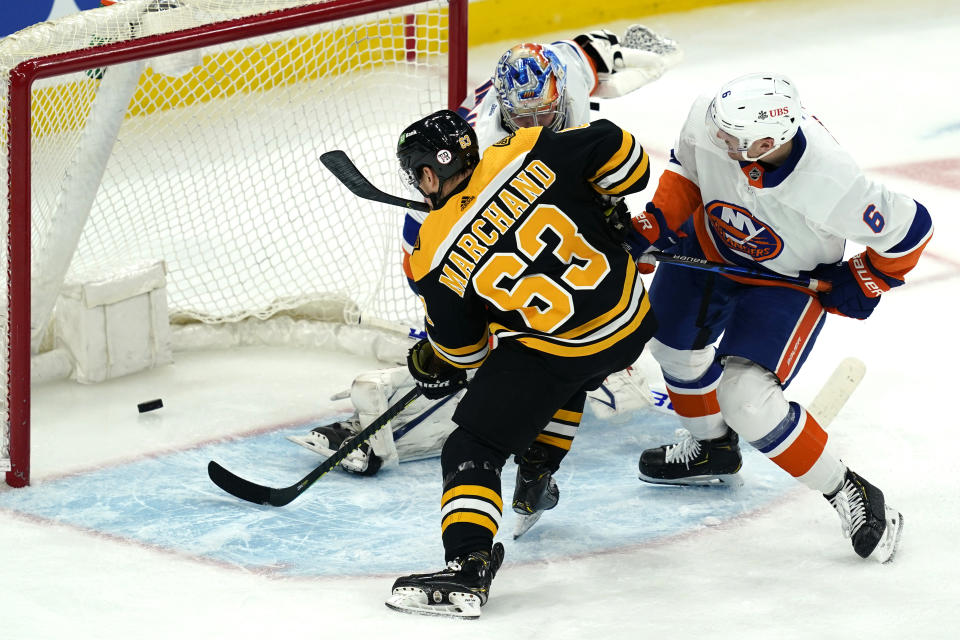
(341, 166)
(838, 388)
(237, 486)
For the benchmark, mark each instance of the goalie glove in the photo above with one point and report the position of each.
(626, 64)
(603, 49)
(436, 378)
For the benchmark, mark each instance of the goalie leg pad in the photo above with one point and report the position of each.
(621, 393)
(418, 432)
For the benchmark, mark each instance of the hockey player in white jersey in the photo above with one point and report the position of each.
(547, 85)
(756, 181)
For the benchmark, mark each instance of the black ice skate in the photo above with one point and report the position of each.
(455, 592)
(325, 441)
(873, 527)
(536, 491)
(694, 462)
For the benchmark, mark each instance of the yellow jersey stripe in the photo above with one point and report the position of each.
(471, 518)
(638, 173)
(569, 416)
(478, 346)
(463, 363)
(612, 313)
(472, 490)
(618, 158)
(560, 443)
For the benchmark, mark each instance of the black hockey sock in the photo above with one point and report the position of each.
(471, 505)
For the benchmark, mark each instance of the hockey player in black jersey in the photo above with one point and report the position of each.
(522, 279)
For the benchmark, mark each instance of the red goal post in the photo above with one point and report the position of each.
(187, 132)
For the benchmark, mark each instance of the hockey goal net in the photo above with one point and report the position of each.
(188, 132)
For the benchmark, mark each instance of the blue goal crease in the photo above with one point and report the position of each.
(351, 525)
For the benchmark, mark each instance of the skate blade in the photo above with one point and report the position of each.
(525, 522)
(308, 443)
(731, 480)
(465, 606)
(887, 547)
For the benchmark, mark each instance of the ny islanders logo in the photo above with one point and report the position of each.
(738, 230)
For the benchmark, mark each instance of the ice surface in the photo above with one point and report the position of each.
(121, 535)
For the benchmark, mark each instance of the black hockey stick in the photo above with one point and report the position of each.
(341, 166)
(259, 494)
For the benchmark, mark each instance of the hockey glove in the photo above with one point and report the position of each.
(603, 49)
(617, 217)
(649, 232)
(436, 378)
(856, 287)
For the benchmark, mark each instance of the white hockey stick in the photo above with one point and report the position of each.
(836, 390)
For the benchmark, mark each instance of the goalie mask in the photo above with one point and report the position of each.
(442, 141)
(751, 108)
(531, 85)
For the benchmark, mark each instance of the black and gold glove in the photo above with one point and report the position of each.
(436, 378)
(617, 217)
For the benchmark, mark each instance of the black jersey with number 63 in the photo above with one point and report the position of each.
(523, 251)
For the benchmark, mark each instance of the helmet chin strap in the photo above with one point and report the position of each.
(746, 158)
(436, 200)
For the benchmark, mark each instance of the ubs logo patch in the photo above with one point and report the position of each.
(740, 231)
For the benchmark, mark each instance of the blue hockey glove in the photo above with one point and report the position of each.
(650, 232)
(436, 378)
(856, 288)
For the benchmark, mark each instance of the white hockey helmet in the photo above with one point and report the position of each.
(754, 107)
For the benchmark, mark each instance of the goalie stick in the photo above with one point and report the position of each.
(260, 494)
(342, 167)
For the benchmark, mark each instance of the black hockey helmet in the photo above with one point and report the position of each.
(443, 141)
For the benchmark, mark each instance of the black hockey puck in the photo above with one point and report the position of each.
(150, 405)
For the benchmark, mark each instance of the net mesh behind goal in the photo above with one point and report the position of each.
(206, 158)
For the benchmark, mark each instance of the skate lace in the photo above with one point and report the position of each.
(687, 449)
(848, 502)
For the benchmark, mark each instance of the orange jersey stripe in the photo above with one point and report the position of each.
(798, 341)
(803, 452)
(407, 271)
(694, 406)
(896, 267)
(678, 198)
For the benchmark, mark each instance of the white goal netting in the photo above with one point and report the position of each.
(207, 159)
